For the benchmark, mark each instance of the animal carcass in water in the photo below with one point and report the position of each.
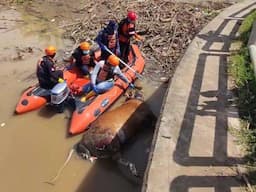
(113, 128)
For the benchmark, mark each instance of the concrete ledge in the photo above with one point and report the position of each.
(199, 80)
(252, 51)
(252, 38)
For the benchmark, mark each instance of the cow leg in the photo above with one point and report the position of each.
(128, 164)
(83, 151)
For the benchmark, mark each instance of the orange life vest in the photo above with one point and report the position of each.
(127, 30)
(85, 59)
(112, 41)
(105, 72)
(41, 60)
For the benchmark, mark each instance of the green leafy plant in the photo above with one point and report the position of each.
(241, 68)
(246, 26)
(242, 71)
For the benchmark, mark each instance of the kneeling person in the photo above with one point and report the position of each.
(103, 74)
(84, 57)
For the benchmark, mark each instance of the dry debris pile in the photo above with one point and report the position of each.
(167, 27)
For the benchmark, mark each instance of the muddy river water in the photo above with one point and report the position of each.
(33, 146)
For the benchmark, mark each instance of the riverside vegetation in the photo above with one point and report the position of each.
(241, 69)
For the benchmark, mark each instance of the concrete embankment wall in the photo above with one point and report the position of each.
(192, 145)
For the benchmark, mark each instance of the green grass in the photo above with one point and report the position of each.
(246, 26)
(241, 70)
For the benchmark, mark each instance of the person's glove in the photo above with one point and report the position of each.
(87, 76)
(139, 38)
(60, 80)
(131, 85)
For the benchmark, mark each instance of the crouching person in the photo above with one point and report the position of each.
(102, 77)
(84, 57)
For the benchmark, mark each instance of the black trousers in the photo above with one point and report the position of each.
(49, 83)
(125, 49)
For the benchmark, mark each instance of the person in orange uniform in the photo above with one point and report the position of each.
(108, 37)
(126, 30)
(102, 77)
(46, 71)
(84, 57)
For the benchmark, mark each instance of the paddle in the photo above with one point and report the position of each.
(136, 73)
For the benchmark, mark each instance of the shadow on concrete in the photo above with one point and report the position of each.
(218, 183)
(217, 107)
(106, 175)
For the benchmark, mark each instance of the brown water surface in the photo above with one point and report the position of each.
(33, 146)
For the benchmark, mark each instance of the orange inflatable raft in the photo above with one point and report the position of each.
(88, 111)
(36, 97)
(85, 111)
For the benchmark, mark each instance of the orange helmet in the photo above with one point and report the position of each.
(132, 15)
(50, 50)
(85, 47)
(113, 60)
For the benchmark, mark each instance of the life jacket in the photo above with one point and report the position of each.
(42, 67)
(113, 45)
(85, 59)
(81, 59)
(112, 41)
(126, 30)
(105, 72)
(40, 63)
(103, 36)
(46, 72)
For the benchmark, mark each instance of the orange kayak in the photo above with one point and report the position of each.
(88, 111)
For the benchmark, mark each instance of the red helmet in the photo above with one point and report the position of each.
(132, 15)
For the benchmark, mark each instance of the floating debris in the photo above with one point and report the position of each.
(168, 27)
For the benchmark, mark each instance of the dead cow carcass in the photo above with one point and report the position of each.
(113, 128)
